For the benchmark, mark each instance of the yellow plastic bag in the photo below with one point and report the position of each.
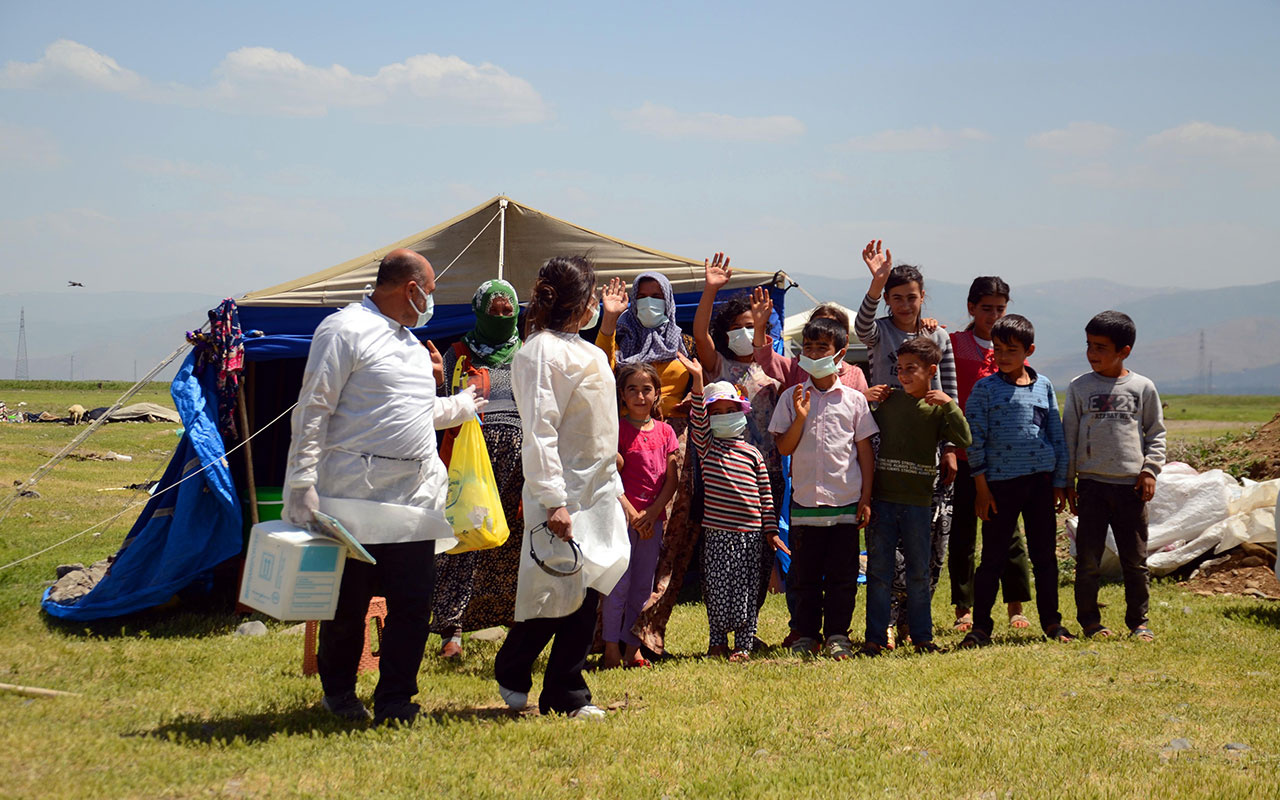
(473, 507)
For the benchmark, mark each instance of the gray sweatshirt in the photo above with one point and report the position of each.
(1114, 428)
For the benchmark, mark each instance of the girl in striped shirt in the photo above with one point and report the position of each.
(738, 509)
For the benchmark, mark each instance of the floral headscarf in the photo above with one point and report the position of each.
(638, 344)
(494, 340)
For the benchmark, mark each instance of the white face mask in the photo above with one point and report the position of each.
(424, 316)
(592, 320)
(651, 311)
(728, 426)
(742, 341)
(820, 367)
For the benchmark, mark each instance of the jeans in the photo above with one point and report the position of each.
(1031, 498)
(895, 525)
(1015, 581)
(824, 578)
(404, 575)
(1117, 505)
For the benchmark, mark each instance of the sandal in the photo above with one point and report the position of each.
(1019, 622)
(974, 640)
(739, 656)
(1097, 630)
(1059, 633)
(891, 639)
(927, 647)
(964, 622)
(1142, 633)
(719, 651)
(639, 662)
(870, 650)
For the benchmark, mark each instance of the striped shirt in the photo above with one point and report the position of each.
(883, 339)
(735, 483)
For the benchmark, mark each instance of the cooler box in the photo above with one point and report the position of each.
(292, 574)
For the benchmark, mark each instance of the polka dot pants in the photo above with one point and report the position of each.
(730, 571)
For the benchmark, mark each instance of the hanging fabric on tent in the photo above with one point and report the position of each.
(182, 533)
(222, 346)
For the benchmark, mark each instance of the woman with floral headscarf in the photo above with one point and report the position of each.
(640, 327)
(483, 358)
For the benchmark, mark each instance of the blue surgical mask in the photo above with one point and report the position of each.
(742, 341)
(651, 311)
(819, 367)
(424, 316)
(728, 426)
(591, 323)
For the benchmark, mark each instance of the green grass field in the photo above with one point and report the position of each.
(172, 704)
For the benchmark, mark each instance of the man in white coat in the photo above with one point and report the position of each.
(364, 451)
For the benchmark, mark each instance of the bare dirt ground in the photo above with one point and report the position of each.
(1247, 571)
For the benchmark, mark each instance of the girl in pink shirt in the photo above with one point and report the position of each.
(647, 450)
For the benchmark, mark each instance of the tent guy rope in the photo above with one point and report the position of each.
(140, 503)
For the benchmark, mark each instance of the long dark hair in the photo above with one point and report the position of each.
(650, 372)
(985, 286)
(732, 308)
(561, 293)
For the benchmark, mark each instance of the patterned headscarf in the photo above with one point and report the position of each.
(638, 344)
(493, 340)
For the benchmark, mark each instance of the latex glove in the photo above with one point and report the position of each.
(300, 505)
(472, 395)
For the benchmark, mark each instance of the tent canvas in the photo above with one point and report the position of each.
(497, 238)
(793, 325)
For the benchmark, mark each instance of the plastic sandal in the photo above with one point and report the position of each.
(1097, 630)
(1143, 634)
(964, 622)
(1059, 633)
(1019, 622)
(974, 640)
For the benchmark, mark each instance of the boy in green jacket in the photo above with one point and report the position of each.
(913, 422)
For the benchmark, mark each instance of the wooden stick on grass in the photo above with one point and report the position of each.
(35, 691)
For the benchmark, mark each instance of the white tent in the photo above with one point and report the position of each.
(794, 324)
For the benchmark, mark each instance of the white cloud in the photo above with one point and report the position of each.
(1078, 138)
(1204, 139)
(425, 89)
(28, 148)
(668, 123)
(916, 139)
(178, 168)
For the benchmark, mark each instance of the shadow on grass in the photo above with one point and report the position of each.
(158, 623)
(1257, 614)
(308, 721)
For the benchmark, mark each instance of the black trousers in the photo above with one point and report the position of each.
(564, 688)
(1031, 498)
(403, 575)
(824, 578)
(1118, 506)
(1015, 581)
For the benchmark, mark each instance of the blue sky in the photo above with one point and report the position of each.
(161, 146)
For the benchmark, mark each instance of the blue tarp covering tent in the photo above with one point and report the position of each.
(182, 534)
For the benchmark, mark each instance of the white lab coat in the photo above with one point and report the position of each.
(364, 429)
(569, 412)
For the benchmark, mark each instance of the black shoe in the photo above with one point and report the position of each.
(401, 714)
(347, 706)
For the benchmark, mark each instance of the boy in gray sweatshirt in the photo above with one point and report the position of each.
(1114, 428)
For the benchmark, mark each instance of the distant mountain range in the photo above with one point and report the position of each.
(1241, 327)
(108, 332)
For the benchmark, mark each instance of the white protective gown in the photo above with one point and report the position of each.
(569, 412)
(364, 429)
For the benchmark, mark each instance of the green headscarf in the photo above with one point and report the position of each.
(494, 340)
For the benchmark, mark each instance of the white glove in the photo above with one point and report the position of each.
(300, 505)
(472, 396)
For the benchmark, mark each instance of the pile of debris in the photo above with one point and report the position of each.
(1248, 570)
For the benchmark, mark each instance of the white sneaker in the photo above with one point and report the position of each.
(516, 701)
(588, 712)
(839, 648)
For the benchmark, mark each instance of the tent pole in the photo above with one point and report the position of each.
(502, 233)
(248, 453)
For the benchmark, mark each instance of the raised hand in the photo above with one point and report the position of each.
(761, 308)
(800, 398)
(877, 259)
(613, 300)
(717, 271)
(694, 369)
(937, 397)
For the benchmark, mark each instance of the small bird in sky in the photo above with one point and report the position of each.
(75, 283)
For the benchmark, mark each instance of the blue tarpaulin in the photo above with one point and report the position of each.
(182, 533)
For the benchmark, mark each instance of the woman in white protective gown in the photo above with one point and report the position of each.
(575, 545)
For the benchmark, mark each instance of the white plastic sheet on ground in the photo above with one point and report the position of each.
(1195, 512)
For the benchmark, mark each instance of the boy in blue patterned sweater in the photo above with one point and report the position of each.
(1018, 460)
